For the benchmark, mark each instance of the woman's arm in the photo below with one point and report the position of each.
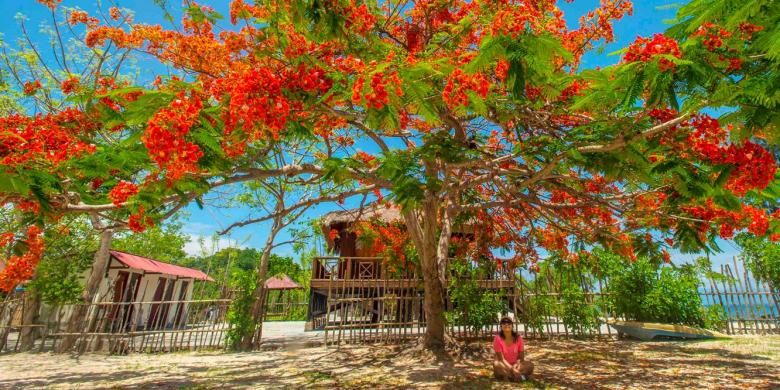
(500, 358)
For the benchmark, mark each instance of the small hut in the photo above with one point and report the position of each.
(279, 297)
(345, 243)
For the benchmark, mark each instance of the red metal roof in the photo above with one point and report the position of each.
(281, 283)
(155, 266)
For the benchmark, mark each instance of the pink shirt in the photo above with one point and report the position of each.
(510, 352)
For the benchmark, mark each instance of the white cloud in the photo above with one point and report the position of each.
(209, 245)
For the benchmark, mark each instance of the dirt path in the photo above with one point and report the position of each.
(744, 362)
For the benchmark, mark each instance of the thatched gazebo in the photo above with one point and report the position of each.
(279, 305)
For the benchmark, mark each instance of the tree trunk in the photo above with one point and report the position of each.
(32, 304)
(252, 340)
(433, 304)
(79, 314)
(426, 238)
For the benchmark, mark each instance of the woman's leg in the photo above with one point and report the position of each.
(525, 367)
(501, 370)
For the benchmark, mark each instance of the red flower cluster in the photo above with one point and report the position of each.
(459, 83)
(31, 87)
(257, 108)
(311, 79)
(387, 239)
(594, 26)
(50, 3)
(20, 268)
(378, 97)
(754, 167)
(645, 50)
(359, 19)
(515, 19)
(713, 35)
(502, 69)
(82, 17)
(121, 192)
(70, 85)
(753, 219)
(241, 10)
(165, 137)
(367, 159)
(747, 30)
(29, 206)
(575, 89)
(139, 222)
(554, 240)
(52, 138)
(115, 13)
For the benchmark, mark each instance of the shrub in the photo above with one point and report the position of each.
(762, 257)
(674, 298)
(715, 317)
(577, 314)
(472, 306)
(644, 291)
(239, 315)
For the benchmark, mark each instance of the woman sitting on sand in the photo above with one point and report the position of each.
(510, 362)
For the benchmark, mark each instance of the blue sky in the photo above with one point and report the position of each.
(648, 18)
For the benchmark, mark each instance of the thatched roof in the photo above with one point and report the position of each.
(381, 212)
(281, 282)
(369, 212)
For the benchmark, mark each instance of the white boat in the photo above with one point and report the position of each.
(647, 331)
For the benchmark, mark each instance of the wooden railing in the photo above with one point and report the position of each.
(375, 268)
(356, 268)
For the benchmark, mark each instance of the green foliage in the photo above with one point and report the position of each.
(239, 315)
(165, 243)
(230, 264)
(674, 298)
(473, 307)
(628, 286)
(538, 308)
(60, 275)
(762, 257)
(645, 291)
(715, 317)
(577, 314)
(565, 299)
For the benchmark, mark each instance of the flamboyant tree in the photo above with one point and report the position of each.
(453, 111)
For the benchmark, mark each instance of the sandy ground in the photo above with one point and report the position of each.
(742, 362)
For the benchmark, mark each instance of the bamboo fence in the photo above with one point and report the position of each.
(374, 309)
(390, 311)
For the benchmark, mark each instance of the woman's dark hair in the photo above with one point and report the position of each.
(506, 320)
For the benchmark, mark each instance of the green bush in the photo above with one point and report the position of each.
(644, 291)
(239, 315)
(628, 286)
(715, 317)
(674, 298)
(472, 306)
(539, 307)
(577, 314)
(762, 257)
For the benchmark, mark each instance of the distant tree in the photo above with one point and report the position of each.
(762, 257)
(164, 242)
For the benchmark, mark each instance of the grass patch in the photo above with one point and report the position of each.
(313, 377)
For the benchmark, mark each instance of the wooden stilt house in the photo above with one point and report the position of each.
(353, 287)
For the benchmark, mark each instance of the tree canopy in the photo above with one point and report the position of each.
(450, 110)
